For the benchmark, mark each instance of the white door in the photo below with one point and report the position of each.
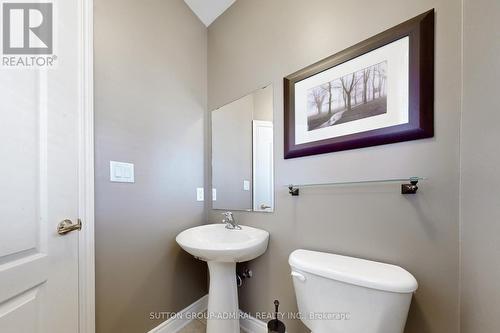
(39, 127)
(263, 180)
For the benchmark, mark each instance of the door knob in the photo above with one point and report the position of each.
(264, 206)
(68, 226)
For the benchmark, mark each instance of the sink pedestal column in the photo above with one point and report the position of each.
(223, 309)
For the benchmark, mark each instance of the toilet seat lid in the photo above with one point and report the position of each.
(360, 272)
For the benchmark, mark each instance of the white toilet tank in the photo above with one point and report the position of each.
(338, 294)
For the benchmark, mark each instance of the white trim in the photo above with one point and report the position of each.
(249, 324)
(175, 324)
(86, 260)
(255, 125)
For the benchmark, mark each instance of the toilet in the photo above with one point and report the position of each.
(338, 294)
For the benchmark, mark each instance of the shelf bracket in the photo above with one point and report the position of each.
(293, 191)
(411, 188)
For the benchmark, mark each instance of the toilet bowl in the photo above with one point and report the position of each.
(338, 294)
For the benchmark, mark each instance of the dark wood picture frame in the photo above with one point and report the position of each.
(420, 31)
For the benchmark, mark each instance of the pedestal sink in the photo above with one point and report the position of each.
(222, 248)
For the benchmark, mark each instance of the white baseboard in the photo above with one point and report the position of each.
(248, 324)
(175, 324)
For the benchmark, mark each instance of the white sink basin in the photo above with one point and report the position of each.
(222, 248)
(214, 242)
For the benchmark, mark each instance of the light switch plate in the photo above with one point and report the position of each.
(121, 172)
(246, 185)
(214, 194)
(200, 194)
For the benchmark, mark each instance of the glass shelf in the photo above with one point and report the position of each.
(410, 187)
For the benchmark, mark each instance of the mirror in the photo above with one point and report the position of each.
(242, 153)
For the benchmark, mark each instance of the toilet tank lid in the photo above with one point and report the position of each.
(360, 272)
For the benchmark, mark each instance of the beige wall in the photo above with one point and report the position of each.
(232, 154)
(480, 203)
(150, 85)
(260, 41)
(263, 104)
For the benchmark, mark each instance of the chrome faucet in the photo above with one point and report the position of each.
(230, 221)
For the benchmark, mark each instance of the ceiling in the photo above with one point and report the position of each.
(208, 10)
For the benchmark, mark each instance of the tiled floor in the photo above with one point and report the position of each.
(195, 326)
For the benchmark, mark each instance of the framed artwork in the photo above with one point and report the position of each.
(376, 92)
